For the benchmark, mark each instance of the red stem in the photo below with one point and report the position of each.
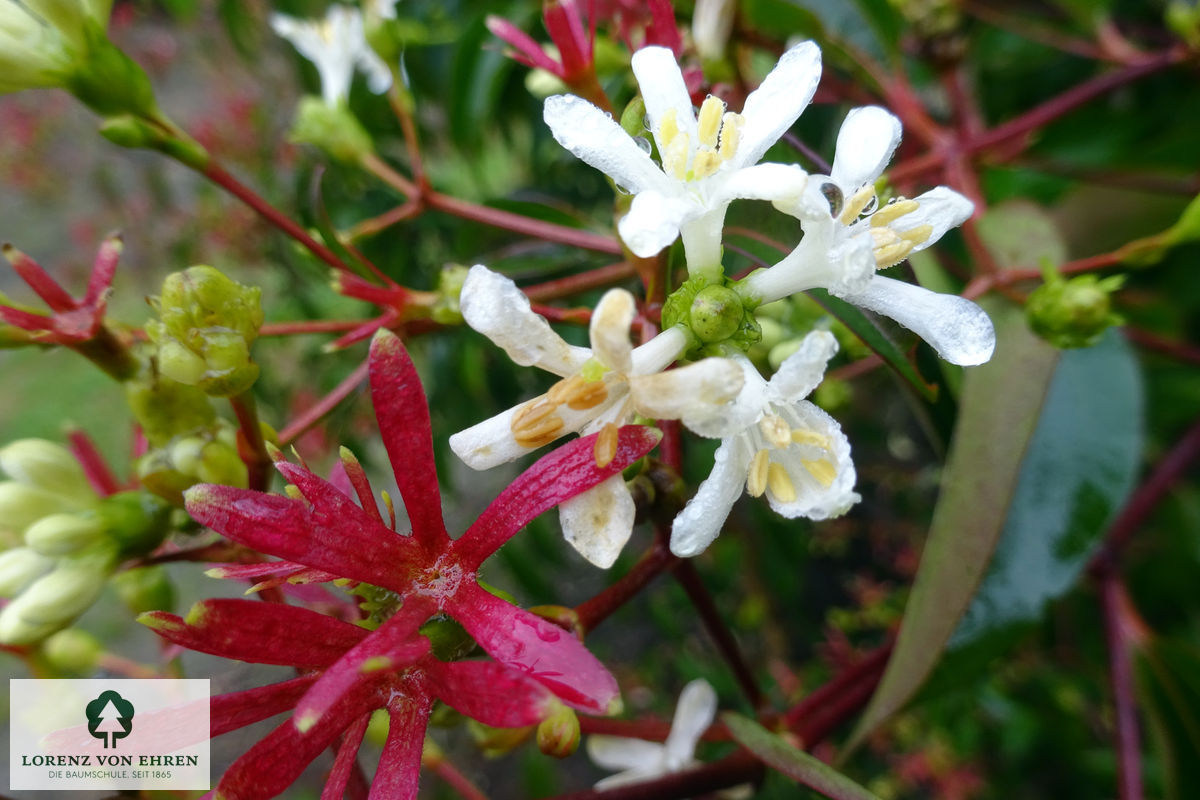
(1129, 754)
(869, 669)
(309, 326)
(326, 404)
(652, 563)
(457, 781)
(518, 223)
(597, 278)
(1152, 341)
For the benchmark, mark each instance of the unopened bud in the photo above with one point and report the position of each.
(110, 82)
(1073, 313)
(449, 290)
(55, 599)
(135, 521)
(378, 727)
(558, 733)
(73, 652)
(46, 465)
(19, 568)
(334, 129)
(205, 327)
(62, 534)
(145, 589)
(22, 505)
(716, 313)
(713, 314)
(165, 408)
(493, 742)
(712, 22)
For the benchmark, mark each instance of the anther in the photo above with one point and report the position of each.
(857, 202)
(709, 121)
(821, 469)
(780, 484)
(605, 449)
(892, 254)
(775, 431)
(675, 156)
(917, 235)
(756, 479)
(705, 163)
(731, 134)
(668, 127)
(801, 436)
(893, 211)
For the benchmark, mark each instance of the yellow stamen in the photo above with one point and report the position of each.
(892, 254)
(536, 423)
(823, 470)
(892, 212)
(882, 237)
(675, 157)
(756, 479)
(668, 127)
(810, 438)
(775, 431)
(706, 163)
(917, 235)
(709, 121)
(857, 202)
(587, 394)
(731, 133)
(606, 445)
(780, 484)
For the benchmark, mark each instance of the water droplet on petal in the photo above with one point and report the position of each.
(870, 207)
(643, 144)
(833, 194)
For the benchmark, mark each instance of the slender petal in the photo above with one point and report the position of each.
(960, 331)
(288, 529)
(103, 269)
(493, 305)
(814, 498)
(399, 771)
(598, 522)
(941, 209)
(654, 221)
(555, 477)
(609, 330)
(229, 712)
(772, 108)
(802, 371)
(489, 692)
(779, 183)
(865, 145)
(696, 710)
(403, 415)
(701, 520)
(394, 645)
(596, 139)
(489, 443)
(622, 753)
(695, 394)
(259, 633)
(346, 760)
(545, 651)
(743, 411)
(527, 50)
(664, 91)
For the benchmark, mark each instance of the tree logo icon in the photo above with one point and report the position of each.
(110, 717)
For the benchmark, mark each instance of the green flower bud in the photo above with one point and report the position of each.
(61, 534)
(334, 129)
(378, 727)
(110, 82)
(542, 84)
(73, 652)
(19, 568)
(558, 733)
(22, 505)
(1073, 313)
(166, 408)
(633, 118)
(135, 521)
(55, 599)
(145, 589)
(46, 465)
(714, 314)
(205, 327)
(449, 290)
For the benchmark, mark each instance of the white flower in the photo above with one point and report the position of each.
(41, 41)
(641, 760)
(707, 161)
(847, 237)
(382, 9)
(785, 447)
(335, 46)
(602, 388)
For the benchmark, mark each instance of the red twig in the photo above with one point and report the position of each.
(518, 223)
(1118, 633)
(597, 278)
(652, 563)
(309, 326)
(457, 781)
(1151, 341)
(326, 404)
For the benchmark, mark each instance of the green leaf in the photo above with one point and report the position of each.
(1168, 682)
(873, 338)
(775, 752)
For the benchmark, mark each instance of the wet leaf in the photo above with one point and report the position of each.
(776, 753)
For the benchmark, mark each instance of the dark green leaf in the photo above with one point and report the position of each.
(1168, 677)
(775, 752)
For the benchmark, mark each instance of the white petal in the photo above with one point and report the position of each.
(813, 499)
(865, 145)
(663, 89)
(694, 394)
(701, 520)
(696, 710)
(618, 752)
(598, 522)
(701, 234)
(941, 208)
(654, 220)
(743, 411)
(658, 353)
(609, 330)
(772, 108)
(803, 370)
(824, 259)
(488, 443)
(379, 77)
(493, 305)
(959, 330)
(595, 138)
(781, 183)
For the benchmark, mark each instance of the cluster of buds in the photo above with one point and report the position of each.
(64, 539)
(205, 327)
(1073, 313)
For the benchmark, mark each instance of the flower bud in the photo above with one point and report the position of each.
(1073, 313)
(716, 313)
(333, 128)
(493, 742)
(378, 727)
(135, 521)
(713, 313)
(166, 408)
(712, 22)
(22, 505)
(145, 589)
(20, 567)
(55, 599)
(62, 534)
(205, 327)
(73, 652)
(449, 290)
(558, 733)
(110, 82)
(46, 465)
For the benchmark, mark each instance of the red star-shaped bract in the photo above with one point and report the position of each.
(575, 44)
(72, 321)
(430, 572)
